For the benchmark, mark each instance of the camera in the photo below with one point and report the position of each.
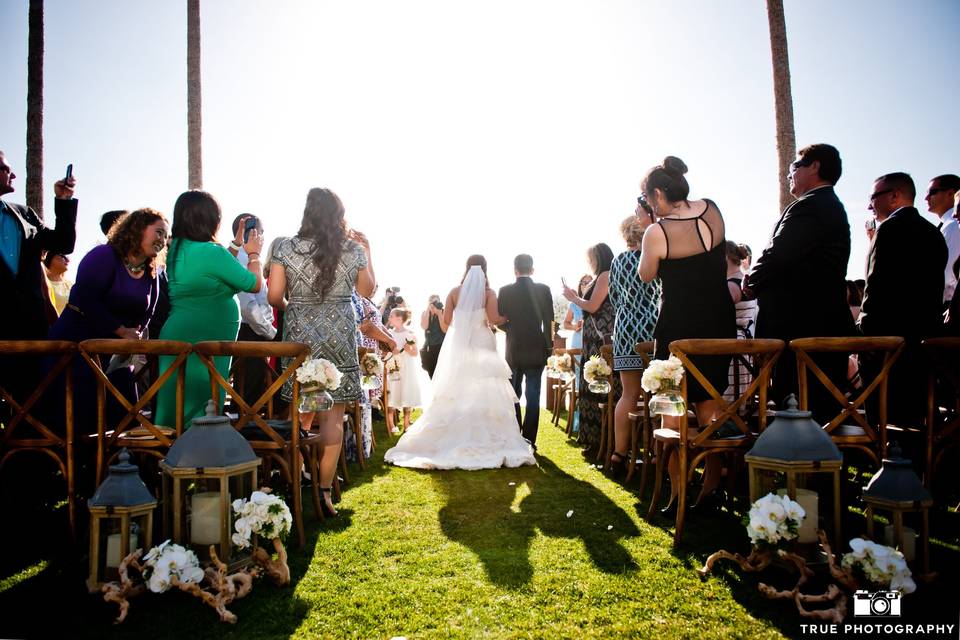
(884, 604)
(438, 304)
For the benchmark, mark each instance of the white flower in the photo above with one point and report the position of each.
(570, 513)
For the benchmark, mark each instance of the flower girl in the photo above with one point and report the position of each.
(403, 388)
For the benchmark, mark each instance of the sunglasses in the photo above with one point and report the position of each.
(644, 204)
(874, 196)
(935, 191)
(796, 164)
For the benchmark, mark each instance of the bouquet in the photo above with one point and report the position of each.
(773, 519)
(393, 367)
(561, 366)
(264, 514)
(597, 372)
(317, 376)
(168, 561)
(370, 365)
(880, 565)
(662, 378)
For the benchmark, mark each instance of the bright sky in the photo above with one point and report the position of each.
(451, 128)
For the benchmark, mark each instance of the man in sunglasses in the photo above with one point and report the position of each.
(900, 301)
(800, 278)
(940, 195)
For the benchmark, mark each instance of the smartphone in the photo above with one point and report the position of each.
(69, 172)
(564, 281)
(250, 224)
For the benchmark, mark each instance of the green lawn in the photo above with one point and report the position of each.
(454, 554)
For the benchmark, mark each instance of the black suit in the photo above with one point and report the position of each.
(26, 294)
(800, 284)
(528, 307)
(904, 297)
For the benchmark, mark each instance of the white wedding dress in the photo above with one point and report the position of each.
(471, 423)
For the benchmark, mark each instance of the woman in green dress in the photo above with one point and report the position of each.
(204, 280)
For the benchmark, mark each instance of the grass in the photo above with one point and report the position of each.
(483, 554)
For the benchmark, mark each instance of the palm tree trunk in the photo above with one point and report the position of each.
(34, 158)
(783, 97)
(194, 139)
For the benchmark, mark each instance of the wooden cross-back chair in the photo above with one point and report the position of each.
(851, 428)
(607, 407)
(276, 441)
(943, 403)
(135, 431)
(565, 390)
(354, 415)
(692, 446)
(23, 432)
(641, 424)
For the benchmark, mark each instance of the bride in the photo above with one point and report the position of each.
(471, 423)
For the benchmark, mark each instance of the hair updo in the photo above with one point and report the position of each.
(736, 253)
(668, 177)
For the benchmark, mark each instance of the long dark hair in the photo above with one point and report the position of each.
(196, 216)
(126, 236)
(323, 223)
(476, 260)
(600, 256)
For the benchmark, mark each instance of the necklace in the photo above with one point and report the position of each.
(135, 268)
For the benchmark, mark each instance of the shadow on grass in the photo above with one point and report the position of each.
(482, 512)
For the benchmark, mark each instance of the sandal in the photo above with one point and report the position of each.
(327, 511)
(619, 465)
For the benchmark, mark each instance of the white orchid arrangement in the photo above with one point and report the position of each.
(167, 561)
(560, 363)
(319, 372)
(264, 514)
(774, 519)
(370, 364)
(880, 565)
(596, 369)
(662, 375)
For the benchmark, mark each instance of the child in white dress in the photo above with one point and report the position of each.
(403, 387)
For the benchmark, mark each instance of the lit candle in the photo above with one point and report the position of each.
(810, 502)
(908, 545)
(113, 548)
(205, 518)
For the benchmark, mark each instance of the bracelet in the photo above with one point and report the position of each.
(235, 246)
(251, 255)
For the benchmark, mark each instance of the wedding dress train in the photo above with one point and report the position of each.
(471, 423)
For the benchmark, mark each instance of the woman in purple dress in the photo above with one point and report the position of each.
(114, 297)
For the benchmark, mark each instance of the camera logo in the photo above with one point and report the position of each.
(884, 604)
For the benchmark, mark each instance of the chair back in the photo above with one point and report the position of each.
(764, 353)
(112, 437)
(852, 405)
(943, 402)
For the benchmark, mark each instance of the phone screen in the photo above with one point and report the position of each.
(69, 172)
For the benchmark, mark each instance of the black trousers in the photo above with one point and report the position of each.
(428, 358)
(254, 372)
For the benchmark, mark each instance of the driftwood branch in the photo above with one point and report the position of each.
(277, 570)
(121, 592)
(226, 588)
(757, 561)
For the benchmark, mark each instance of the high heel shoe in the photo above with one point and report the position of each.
(618, 464)
(328, 512)
(710, 503)
(670, 511)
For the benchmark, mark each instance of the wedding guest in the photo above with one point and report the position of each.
(598, 321)
(636, 305)
(940, 195)
(746, 312)
(317, 271)
(114, 297)
(109, 219)
(204, 280)
(685, 248)
(403, 386)
(23, 239)
(573, 321)
(434, 331)
(903, 230)
(747, 260)
(55, 267)
(854, 298)
(800, 278)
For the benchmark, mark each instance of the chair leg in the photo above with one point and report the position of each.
(659, 451)
(681, 494)
(358, 434)
(337, 491)
(632, 467)
(296, 486)
(343, 465)
(313, 455)
(647, 454)
(602, 448)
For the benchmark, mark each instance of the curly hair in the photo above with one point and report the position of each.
(323, 223)
(126, 236)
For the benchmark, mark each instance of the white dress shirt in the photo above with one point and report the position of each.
(255, 311)
(951, 234)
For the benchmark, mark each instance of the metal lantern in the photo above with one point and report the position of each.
(206, 469)
(788, 455)
(897, 489)
(121, 520)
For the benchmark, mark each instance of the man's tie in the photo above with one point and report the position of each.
(940, 225)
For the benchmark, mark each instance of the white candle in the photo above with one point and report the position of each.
(908, 545)
(113, 548)
(205, 518)
(810, 502)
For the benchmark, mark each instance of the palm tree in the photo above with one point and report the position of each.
(782, 96)
(35, 107)
(194, 141)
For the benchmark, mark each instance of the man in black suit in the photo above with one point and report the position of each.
(800, 279)
(902, 300)
(528, 307)
(23, 238)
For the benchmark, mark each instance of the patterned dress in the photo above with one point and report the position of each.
(636, 304)
(596, 325)
(328, 325)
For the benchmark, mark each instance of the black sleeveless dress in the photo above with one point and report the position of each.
(695, 302)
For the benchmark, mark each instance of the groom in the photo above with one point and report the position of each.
(528, 307)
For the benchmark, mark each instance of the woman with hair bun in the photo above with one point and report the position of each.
(316, 271)
(685, 248)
